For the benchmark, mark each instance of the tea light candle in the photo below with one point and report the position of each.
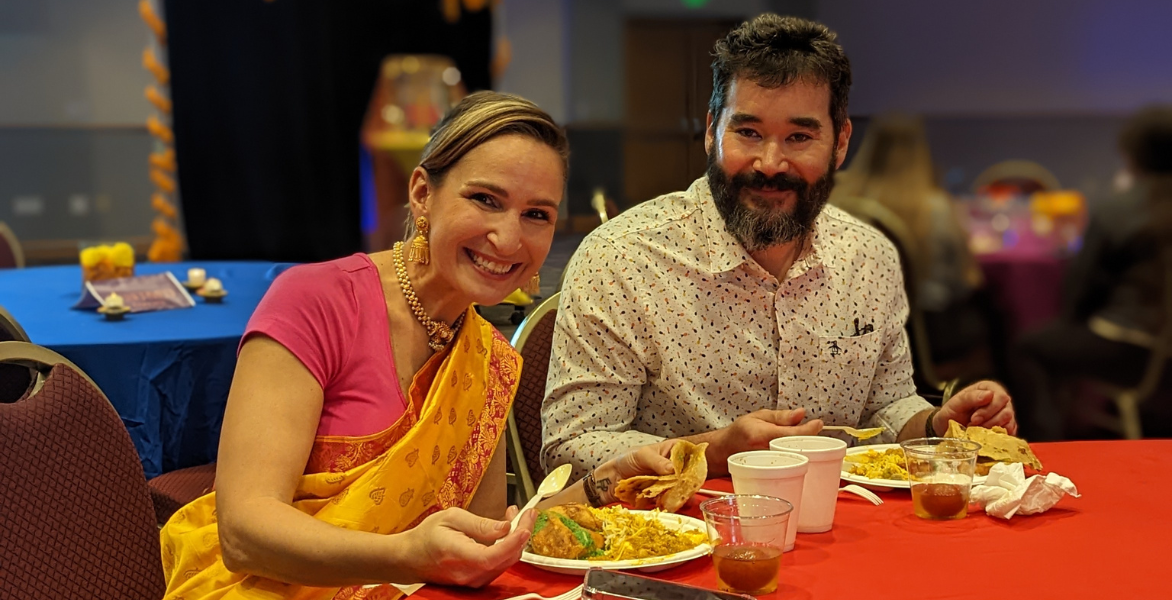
(196, 276)
(114, 301)
(213, 285)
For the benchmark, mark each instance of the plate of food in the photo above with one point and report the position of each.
(881, 467)
(574, 538)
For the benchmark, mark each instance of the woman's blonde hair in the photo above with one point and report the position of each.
(478, 118)
(894, 167)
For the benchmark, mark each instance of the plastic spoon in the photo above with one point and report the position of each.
(552, 484)
(862, 434)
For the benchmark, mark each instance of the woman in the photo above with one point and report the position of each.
(362, 441)
(894, 168)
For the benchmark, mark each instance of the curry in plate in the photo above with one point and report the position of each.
(578, 532)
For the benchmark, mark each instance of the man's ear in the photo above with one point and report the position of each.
(709, 134)
(844, 139)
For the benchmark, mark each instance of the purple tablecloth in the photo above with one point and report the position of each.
(1027, 287)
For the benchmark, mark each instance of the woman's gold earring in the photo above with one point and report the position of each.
(533, 286)
(420, 253)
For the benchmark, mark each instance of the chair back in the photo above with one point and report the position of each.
(15, 380)
(11, 254)
(78, 521)
(1025, 175)
(1161, 349)
(891, 226)
(534, 340)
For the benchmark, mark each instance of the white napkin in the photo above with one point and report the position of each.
(1007, 492)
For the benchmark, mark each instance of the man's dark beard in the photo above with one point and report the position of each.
(758, 228)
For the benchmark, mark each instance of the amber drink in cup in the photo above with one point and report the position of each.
(940, 472)
(747, 533)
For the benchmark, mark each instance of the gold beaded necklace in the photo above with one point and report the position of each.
(438, 332)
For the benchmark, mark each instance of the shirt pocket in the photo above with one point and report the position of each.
(847, 365)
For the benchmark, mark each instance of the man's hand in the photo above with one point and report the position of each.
(984, 403)
(754, 431)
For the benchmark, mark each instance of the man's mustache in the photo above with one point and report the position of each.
(782, 182)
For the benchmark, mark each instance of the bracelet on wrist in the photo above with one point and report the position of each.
(929, 429)
(591, 489)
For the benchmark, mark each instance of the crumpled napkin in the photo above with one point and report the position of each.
(1007, 492)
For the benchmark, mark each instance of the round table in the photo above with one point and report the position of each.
(1110, 543)
(167, 373)
(1027, 287)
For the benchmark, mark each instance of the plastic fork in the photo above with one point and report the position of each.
(862, 492)
(573, 594)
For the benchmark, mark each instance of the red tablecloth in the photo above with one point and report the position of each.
(1112, 543)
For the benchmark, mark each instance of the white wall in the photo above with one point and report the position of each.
(72, 61)
(539, 71)
(998, 57)
(73, 146)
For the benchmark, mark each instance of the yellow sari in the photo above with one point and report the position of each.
(432, 458)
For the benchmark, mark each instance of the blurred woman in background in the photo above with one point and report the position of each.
(894, 168)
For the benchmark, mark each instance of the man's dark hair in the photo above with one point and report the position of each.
(773, 51)
(1147, 140)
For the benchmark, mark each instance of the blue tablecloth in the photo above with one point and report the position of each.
(168, 372)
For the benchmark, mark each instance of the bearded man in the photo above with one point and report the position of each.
(744, 309)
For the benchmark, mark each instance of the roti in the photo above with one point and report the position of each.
(668, 492)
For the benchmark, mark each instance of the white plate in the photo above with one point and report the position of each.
(882, 485)
(646, 565)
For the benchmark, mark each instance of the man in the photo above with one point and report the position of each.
(732, 311)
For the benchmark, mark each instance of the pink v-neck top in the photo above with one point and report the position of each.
(333, 317)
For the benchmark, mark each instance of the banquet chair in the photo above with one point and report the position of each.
(172, 490)
(1027, 175)
(893, 228)
(11, 254)
(15, 380)
(1128, 400)
(77, 517)
(533, 339)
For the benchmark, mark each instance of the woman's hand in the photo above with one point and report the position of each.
(648, 460)
(456, 547)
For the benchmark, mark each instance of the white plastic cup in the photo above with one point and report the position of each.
(772, 473)
(820, 491)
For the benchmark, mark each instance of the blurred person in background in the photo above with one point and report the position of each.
(894, 168)
(1113, 296)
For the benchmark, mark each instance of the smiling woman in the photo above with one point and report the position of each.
(361, 442)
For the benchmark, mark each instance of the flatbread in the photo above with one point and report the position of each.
(996, 444)
(668, 492)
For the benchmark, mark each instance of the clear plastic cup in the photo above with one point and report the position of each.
(940, 471)
(772, 473)
(820, 488)
(747, 533)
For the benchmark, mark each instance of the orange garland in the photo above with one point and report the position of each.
(168, 243)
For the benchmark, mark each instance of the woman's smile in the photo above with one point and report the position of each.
(495, 268)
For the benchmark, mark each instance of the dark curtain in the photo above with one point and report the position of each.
(268, 101)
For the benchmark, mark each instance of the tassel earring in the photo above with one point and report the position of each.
(533, 286)
(420, 253)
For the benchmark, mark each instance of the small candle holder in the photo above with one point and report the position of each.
(114, 313)
(196, 278)
(212, 296)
